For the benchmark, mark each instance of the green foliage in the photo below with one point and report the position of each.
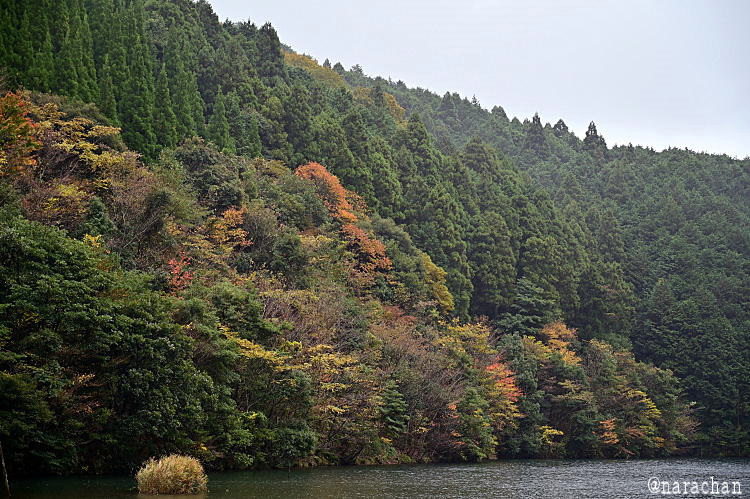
(475, 427)
(97, 222)
(137, 102)
(224, 307)
(165, 121)
(218, 126)
(216, 182)
(394, 412)
(243, 127)
(42, 69)
(24, 418)
(109, 389)
(107, 102)
(240, 311)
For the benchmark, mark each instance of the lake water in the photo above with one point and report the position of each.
(499, 479)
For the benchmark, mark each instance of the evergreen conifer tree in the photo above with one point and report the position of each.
(41, 73)
(164, 117)
(66, 71)
(218, 126)
(107, 103)
(89, 87)
(137, 105)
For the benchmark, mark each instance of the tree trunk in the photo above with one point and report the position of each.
(5, 472)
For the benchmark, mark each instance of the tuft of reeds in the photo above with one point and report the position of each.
(172, 474)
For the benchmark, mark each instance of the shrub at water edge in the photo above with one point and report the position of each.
(172, 474)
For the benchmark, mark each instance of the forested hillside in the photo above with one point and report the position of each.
(214, 245)
(677, 224)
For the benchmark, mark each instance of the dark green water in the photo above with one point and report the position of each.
(521, 479)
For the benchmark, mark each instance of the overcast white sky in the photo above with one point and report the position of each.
(658, 73)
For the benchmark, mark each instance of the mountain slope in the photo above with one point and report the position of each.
(517, 226)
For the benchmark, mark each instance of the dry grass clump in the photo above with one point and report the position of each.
(173, 474)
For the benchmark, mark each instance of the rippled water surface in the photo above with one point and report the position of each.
(501, 479)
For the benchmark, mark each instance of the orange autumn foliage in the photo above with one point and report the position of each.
(371, 252)
(505, 380)
(17, 135)
(503, 393)
(179, 275)
(342, 204)
(607, 432)
(335, 197)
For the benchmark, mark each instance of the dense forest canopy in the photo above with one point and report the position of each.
(212, 244)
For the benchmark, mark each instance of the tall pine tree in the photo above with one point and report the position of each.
(164, 117)
(218, 126)
(137, 109)
(107, 102)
